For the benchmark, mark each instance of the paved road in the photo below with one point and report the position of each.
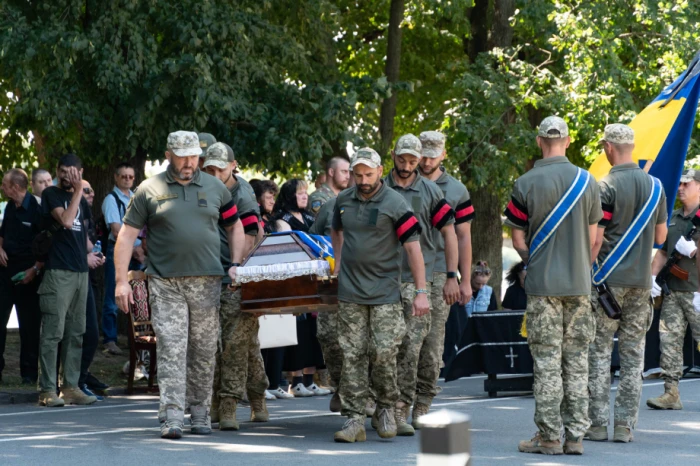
(124, 430)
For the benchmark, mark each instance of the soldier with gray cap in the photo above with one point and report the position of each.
(560, 324)
(677, 311)
(206, 140)
(239, 363)
(628, 196)
(182, 208)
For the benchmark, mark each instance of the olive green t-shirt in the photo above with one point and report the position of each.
(679, 226)
(433, 212)
(319, 197)
(182, 220)
(623, 194)
(563, 265)
(249, 213)
(324, 219)
(458, 198)
(373, 230)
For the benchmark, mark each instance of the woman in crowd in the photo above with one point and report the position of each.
(515, 294)
(301, 360)
(265, 192)
(483, 298)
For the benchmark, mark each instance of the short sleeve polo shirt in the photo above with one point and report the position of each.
(249, 213)
(623, 193)
(457, 196)
(433, 212)
(183, 235)
(563, 265)
(373, 230)
(324, 219)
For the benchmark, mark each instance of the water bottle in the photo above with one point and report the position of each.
(97, 248)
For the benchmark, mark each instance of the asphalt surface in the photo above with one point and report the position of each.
(124, 430)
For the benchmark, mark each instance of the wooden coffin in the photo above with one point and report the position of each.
(294, 295)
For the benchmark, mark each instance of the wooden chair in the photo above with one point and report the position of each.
(142, 337)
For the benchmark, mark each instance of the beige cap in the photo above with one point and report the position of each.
(366, 156)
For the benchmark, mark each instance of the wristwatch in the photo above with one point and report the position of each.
(451, 274)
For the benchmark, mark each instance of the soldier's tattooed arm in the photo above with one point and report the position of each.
(519, 244)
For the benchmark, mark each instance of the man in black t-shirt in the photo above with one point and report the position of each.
(63, 291)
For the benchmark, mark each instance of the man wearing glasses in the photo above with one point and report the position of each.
(113, 209)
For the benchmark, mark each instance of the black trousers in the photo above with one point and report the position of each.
(273, 358)
(26, 302)
(91, 337)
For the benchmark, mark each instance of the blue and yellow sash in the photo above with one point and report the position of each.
(624, 245)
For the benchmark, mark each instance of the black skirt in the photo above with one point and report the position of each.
(307, 353)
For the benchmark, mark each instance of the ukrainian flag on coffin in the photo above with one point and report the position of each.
(662, 132)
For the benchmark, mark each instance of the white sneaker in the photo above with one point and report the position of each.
(269, 396)
(300, 390)
(281, 394)
(318, 391)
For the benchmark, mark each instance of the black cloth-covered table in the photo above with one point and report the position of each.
(491, 343)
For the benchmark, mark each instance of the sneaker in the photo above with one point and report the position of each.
(597, 434)
(318, 391)
(95, 384)
(622, 434)
(387, 423)
(227, 414)
(300, 391)
(258, 410)
(335, 405)
(281, 394)
(84, 388)
(200, 421)
(269, 396)
(74, 396)
(403, 428)
(573, 446)
(174, 422)
(353, 431)
(419, 409)
(537, 445)
(112, 348)
(50, 400)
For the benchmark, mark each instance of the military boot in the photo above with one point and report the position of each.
(622, 434)
(324, 380)
(335, 405)
(386, 426)
(50, 400)
(370, 408)
(75, 396)
(258, 409)
(597, 434)
(227, 414)
(200, 421)
(214, 410)
(353, 431)
(537, 445)
(172, 427)
(671, 399)
(419, 409)
(403, 428)
(573, 446)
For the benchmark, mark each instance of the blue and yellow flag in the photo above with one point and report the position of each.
(662, 132)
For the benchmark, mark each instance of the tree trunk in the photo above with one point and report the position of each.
(393, 62)
(490, 28)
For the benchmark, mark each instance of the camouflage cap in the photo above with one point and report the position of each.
(553, 127)
(366, 156)
(184, 143)
(690, 175)
(408, 144)
(219, 155)
(433, 143)
(618, 133)
(206, 140)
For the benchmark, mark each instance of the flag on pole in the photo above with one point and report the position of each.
(662, 132)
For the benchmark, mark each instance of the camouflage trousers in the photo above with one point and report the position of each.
(631, 331)
(359, 326)
(185, 316)
(677, 313)
(417, 330)
(239, 364)
(328, 338)
(430, 359)
(559, 331)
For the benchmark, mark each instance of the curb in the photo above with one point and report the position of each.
(15, 397)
